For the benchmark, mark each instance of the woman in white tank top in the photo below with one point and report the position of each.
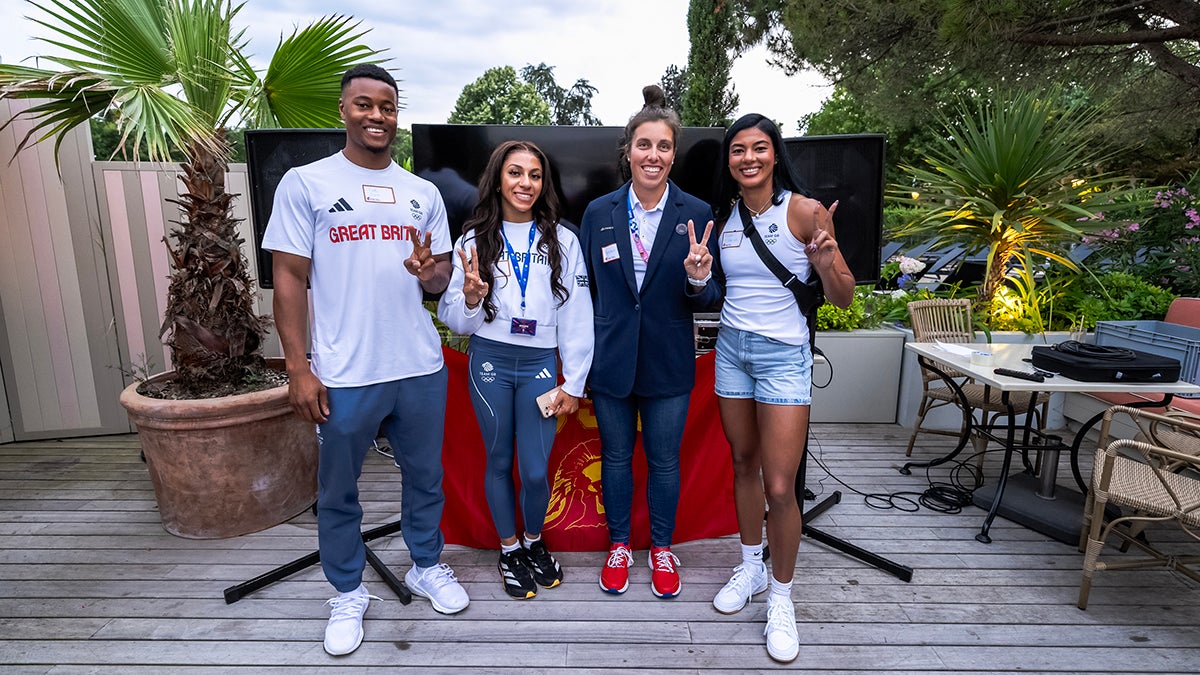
(764, 361)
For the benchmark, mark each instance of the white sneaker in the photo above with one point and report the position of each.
(745, 583)
(783, 642)
(439, 585)
(344, 633)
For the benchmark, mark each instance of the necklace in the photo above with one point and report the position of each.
(758, 212)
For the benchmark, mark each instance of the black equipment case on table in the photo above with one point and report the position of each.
(1094, 363)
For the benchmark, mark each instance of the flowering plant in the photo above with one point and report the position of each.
(1159, 242)
(902, 271)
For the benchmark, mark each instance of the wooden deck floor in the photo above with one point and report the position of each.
(89, 582)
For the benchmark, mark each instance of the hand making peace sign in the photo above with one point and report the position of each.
(474, 288)
(421, 263)
(822, 248)
(699, 260)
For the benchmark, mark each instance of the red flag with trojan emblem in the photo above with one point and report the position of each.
(575, 517)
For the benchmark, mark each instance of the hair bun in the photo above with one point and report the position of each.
(654, 96)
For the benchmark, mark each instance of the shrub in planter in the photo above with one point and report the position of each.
(1114, 296)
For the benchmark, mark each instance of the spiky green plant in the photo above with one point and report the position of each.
(176, 73)
(1016, 177)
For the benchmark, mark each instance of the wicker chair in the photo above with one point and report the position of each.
(950, 321)
(1156, 479)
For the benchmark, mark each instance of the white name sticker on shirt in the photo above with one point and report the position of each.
(378, 194)
(731, 239)
(610, 253)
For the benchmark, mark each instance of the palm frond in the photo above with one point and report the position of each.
(151, 116)
(203, 43)
(123, 39)
(73, 99)
(303, 81)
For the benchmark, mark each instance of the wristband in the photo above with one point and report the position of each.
(701, 282)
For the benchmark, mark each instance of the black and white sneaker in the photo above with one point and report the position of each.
(546, 570)
(514, 573)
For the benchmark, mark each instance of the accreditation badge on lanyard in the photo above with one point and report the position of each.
(521, 325)
(637, 234)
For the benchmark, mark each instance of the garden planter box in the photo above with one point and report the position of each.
(865, 367)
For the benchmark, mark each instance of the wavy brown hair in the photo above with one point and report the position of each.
(486, 221)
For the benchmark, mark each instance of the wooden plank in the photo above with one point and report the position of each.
(167, 654)
(124, 269)
(93, 339)
(54, 259)
(18, 288)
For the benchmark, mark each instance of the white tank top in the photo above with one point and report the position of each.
(755, 300)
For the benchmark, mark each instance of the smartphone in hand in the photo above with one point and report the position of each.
(546, 402)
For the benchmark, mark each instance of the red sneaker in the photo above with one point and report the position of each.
(664, 574)
(614, 578)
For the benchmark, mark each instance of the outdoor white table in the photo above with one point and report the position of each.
(1033, 501)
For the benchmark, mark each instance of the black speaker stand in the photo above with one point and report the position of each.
(239, 591)
(901, 572)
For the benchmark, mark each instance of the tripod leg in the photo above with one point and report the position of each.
(239, 591)
(902, 572)
(390, 579)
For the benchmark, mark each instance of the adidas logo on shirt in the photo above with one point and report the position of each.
(544, 375)
(341, 205)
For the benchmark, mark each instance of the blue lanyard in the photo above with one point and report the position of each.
(633, 228)
(521, 273)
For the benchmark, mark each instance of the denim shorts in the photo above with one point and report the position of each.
(750, 365)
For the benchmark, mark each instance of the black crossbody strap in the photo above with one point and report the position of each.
(808, 295)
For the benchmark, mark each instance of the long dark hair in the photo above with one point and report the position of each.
(486, 221)
(654, 110)
(782, 178)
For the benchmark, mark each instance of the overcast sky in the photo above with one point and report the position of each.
(436, 47)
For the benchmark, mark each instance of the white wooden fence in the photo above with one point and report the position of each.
(83, 279)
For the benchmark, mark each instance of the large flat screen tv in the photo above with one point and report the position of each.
(583, 159)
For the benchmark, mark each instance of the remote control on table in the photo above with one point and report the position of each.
(1020, 374)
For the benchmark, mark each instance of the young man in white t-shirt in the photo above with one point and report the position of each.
(371, 238)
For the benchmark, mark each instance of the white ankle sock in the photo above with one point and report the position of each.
(781, 589)
(529, 541)
(509, 548)
(752, 555)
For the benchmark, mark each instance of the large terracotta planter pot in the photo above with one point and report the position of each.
(227, 466)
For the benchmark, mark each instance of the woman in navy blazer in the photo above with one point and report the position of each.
(650, 262)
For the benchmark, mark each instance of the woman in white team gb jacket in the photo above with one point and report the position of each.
(520, 289)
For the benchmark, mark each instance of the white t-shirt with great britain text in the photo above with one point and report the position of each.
(357, 226)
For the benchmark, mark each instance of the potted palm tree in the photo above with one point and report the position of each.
(175, 74)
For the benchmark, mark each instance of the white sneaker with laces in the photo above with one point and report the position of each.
(344, 633)
(439, 585)
(783, 641)
(746, 582)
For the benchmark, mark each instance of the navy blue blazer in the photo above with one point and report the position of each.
(644, 340)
